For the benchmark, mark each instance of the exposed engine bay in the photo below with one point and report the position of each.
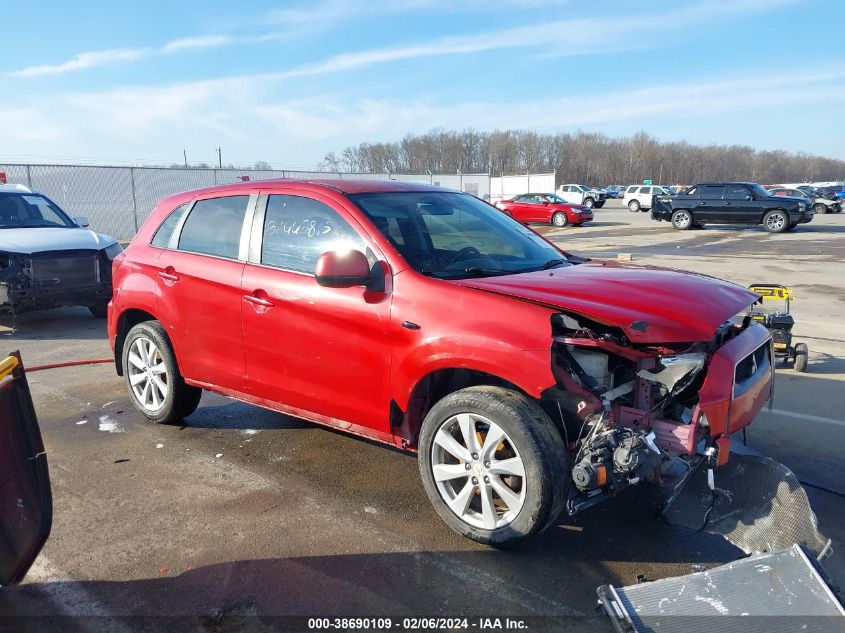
(632, 413)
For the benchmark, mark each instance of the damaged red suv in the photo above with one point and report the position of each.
(530, 382)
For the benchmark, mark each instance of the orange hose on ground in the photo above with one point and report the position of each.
(70, 363)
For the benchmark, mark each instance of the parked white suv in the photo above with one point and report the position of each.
(48, 260)
(640, 197)
(582, 194)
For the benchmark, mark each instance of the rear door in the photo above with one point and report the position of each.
(709, 207)
(26, 502)
(199, 288)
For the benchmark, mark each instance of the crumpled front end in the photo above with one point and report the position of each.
(633, 413)
(53, 279)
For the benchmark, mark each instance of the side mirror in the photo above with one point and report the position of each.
(81, 221)
(342, 269)
(546, 202)
(748, 196)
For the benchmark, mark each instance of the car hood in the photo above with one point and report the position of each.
(35, 240)
(651, 305)
(793, 199)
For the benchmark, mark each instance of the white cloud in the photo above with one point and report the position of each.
(251, 118)
(82, 61)
(202, 41)
(553, 37)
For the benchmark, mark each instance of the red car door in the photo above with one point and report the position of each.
(310, 348)
(199, 289)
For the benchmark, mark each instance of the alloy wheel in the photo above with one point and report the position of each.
(148, 375)
(478, 471)
(682, 219)
(775, 222)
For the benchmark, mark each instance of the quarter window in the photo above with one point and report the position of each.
(214, 227)
(298, 230)
(165, 231)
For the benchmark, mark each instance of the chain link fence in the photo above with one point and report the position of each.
(117, 200)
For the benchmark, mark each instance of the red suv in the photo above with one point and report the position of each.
(529, 381)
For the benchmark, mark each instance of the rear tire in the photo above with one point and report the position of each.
(152, 376)
(682, 219)
(559, 219)
(775, 221)
(634, 206)
(529, 444)
(801, 354)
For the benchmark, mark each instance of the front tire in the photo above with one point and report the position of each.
(819, 209)
(589, 203)
(634, 206)
(156, 387)
(682, 219)
(559, 219)
(775, 221)
(493, 465)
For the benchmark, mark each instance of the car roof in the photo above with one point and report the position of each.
(15, 189)
(726, 183)
(346, 186)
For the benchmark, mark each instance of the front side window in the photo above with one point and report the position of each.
(298, 230)
(214, 227)
(20, 211)
(456, 236)
(736, 192)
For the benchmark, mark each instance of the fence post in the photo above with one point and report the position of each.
(134, 198)
(28, 177)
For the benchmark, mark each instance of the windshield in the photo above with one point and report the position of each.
(456, 236)
(19, 211)
(760, 191)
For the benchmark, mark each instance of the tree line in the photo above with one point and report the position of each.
(583, 157)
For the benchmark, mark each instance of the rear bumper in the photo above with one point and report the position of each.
(739, 382)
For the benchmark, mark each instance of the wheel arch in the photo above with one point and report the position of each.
(128, 319)
(433, 387)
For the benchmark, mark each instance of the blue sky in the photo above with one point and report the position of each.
(286, 82)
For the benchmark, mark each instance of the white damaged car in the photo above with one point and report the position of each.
(48, 260)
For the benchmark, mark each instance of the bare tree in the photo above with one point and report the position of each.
(587, 157)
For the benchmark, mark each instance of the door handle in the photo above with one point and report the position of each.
(169, 276)
(259, 302)
(702, 204)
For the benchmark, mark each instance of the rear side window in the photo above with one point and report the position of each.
(214, 227)
(165, 231)
(298, 230)
(711, 191)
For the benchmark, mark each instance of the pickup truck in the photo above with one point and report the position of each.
(731, 203)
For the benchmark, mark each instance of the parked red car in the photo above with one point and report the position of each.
(531, 382)
(545, 207)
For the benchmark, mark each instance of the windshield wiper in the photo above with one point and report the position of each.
(553, 262)
(486, 272)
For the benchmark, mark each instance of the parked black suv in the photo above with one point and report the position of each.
(731, 203)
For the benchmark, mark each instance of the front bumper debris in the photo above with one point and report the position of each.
(758, 504)
(767, 593)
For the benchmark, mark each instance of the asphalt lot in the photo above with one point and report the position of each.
(244, 511)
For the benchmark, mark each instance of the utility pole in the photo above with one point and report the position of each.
(185, 156)
(220, 157)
